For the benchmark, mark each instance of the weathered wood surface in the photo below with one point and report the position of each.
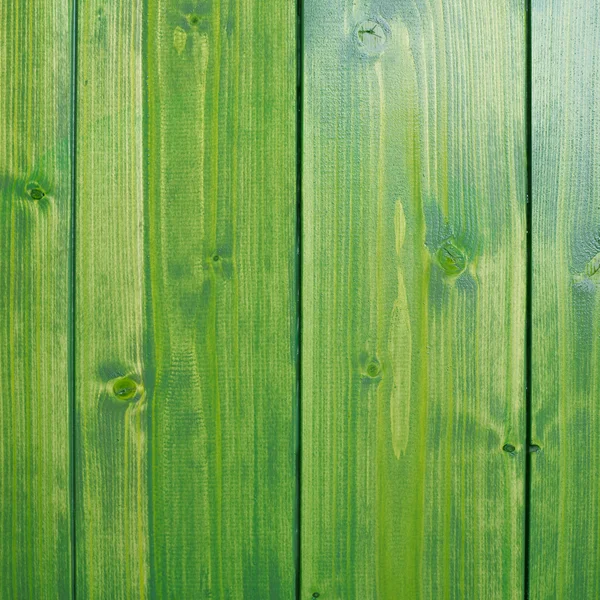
(565, 494)
(35, 213)
(111, 434)
(414, 277)
(414, 288)
(186, 300)
(221, 215)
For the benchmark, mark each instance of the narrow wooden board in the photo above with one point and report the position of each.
(221, 216)
(186, 300)
(565, 494)
(111, 436)
(414, 292)
(35, 213)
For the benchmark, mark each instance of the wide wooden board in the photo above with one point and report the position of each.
(414, 294)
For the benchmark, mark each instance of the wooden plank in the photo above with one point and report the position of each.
(35, 213)
(414, 288)
(565, 522)
(221, 231)
(186, 300)
(111, 433)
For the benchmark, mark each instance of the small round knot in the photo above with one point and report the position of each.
(451, 258)
(316, 595)
(194, 19)
(373, 369)
(509, 448)
(36, 194)
(125, 388)
(372, 35)
(534, 448)
(216, 258)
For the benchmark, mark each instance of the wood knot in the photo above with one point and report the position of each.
(509, 448)
(451, 257)
(126, 389)
(35, 191)
(373, 369)
(221, 263)
(372, 35)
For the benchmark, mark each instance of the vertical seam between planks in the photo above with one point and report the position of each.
(528, 300)
(299, 228)
(72, 293)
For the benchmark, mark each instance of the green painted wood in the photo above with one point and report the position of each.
(414, 292)
(35, 213)
(186, 338)
(565, 523)
(221, 267)
(111, 436)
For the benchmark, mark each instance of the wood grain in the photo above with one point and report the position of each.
(186, 300)
(111, 433)
(565, 523)
(35, 213)
(414, 288)
(221, 265)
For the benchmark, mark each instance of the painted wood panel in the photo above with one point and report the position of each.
(565, 541)
(414, 294)
(111, 435)
(35, 214)
(186, 245)
(221, 268)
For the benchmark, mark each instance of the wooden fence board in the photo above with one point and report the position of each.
(414, 289)
(111, 436)
(565, 523)
(221, 230)
(35, 213)
(186, 268)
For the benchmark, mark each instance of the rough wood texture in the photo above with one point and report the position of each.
(35, 212)
(186, 300)
(414, 299)
(221, 230)
(565, 523)
(111, 433)
(221, 267)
